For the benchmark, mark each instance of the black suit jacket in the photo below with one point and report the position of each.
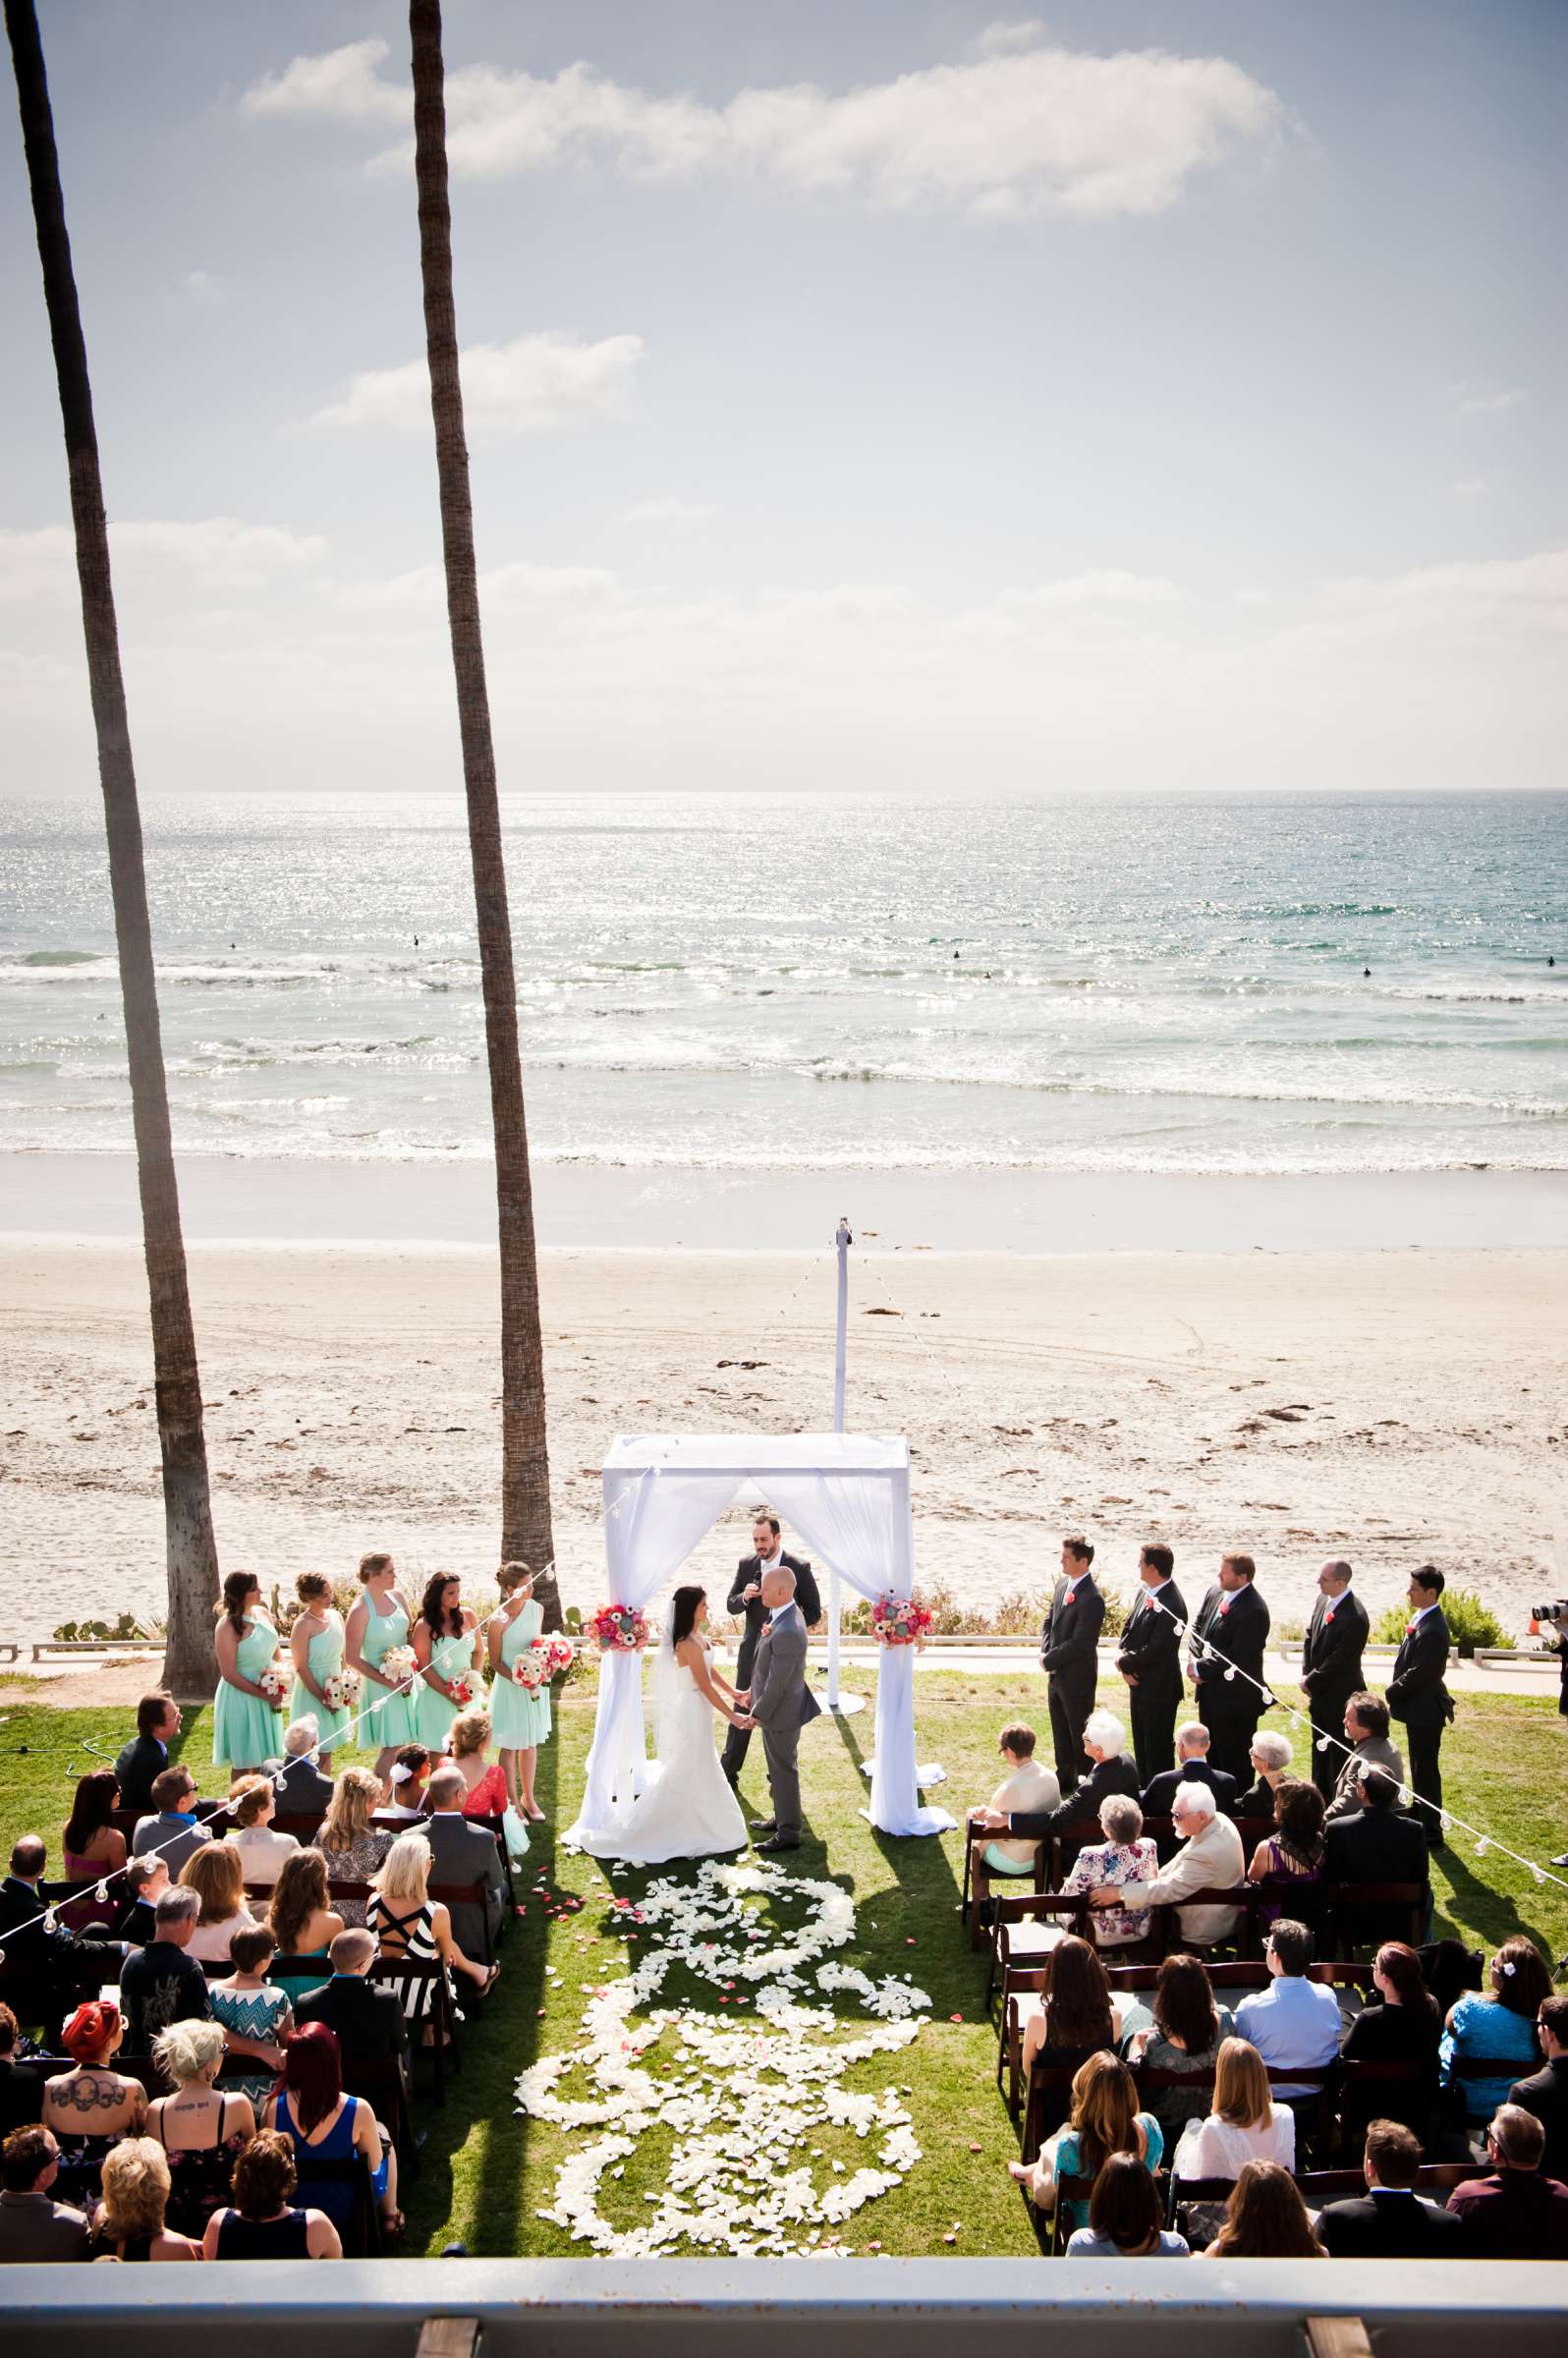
(1415, 1692)
(138, 1764)
(1374, 1846)
(1330, 1657)
(1150, 1650)
(754, 1612)
(1392, 2225)
(1070, 1635)
(368, 2019)
(1163, 1788)
(35, 1955)
(1545, 2094)
(1239, 1634)
(1118, 1776)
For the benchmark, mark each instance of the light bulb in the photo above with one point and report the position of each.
(1482, 1847)
(50, 1922)
(1231, 1673)
(1537, 1873)
(101, 1893)
(1405, 1797)
(1323, 1743)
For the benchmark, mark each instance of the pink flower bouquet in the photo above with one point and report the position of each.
(617, 1629)
(528, 1671)
(900, 1621)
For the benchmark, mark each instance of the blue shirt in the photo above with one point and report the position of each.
(1294, 2021)
(1085, 2244)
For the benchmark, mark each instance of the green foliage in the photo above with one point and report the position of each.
(1472, 1622)
(124, 1632)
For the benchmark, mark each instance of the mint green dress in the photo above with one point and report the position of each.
(433, 1715)
(390, 1720)
(325, 1658)
(517, 1718)
(246, 1731)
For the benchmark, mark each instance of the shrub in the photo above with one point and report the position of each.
(1472, 1622)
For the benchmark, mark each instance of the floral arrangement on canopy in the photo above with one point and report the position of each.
(399, 1664)
(617, 1629)
(275, 1682)
(342, 1690)
(901, 1621)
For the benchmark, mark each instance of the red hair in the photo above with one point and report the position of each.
(312, 2073)
(90, 2028)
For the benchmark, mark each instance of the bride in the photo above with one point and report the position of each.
(686, 1808)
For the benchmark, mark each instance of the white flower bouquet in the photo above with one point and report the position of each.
(399, 1664)
(275, 1682)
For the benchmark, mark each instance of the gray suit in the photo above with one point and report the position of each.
(1374, 1752)
(781, 1704)
(173, 1838)
(464, 1853)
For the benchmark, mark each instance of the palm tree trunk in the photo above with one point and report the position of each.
(526, 1529)
(192, 1556)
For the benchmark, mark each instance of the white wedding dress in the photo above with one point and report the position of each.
(686, 1808)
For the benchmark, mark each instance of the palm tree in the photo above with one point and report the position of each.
(193, 1555)
(525, 1455)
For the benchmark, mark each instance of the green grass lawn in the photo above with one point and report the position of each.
(487, 2172)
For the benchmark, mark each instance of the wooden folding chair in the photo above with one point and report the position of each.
(1347, 1905)
(389, 1971)
(1012, 1942)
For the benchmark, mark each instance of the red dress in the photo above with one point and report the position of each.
(488, 1797)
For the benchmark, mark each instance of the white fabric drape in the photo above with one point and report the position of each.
(652, 1521)
(847, 1495)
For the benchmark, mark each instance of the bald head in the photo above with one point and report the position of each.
(778, 1587)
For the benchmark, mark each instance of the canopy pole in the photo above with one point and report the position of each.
(845, 1706)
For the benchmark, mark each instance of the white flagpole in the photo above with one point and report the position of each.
(844, 1705)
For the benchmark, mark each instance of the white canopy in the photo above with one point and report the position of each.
(846, 1494)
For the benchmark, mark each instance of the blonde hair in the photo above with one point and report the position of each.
(311, 1586)
(136, 2189)
(354, 1799)
(249, 1795)
(1104, 2112)
(1241, 2085)
(216, 1875)
(187, 2049)
(406, 1870)
(468, 1732)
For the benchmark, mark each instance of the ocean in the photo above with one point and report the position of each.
(1107, 985)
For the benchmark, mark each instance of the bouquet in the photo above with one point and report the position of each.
(342, 1690)
(559, 1655)
(275, 1682)
(399, 1664)
(462, 1690)
(900, 1621)
(617, 1629)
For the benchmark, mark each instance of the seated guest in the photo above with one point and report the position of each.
(1105, 2119)
(18, 2089)
(1294, 1853)
(1294, 2024)
(262, 1848)
(92, 1847)
(1209, 1860)
(173, 1829)
(1110, 1770)
(1400, 2025)
(1125, 1857)
(1545, 2092)
(147, 1755)
(254, 2015)
(1245, 2126)
(161, 1984)
(1498, 2025)
(301, 1921)
(461, 1853)
(1027, 1784)
(1125, 2217)
(1266, 2219)
(264, 2223)
(144, 1881)
(1270, 1758)
(1192, 1768)
(200, 2127)
(1075, 2009)
(47, 1968)
(135, 2195)
(216, 1875)
(408, 1923)
(1367, 1733)
(303, 1790)
(485, 1782)
(406, 1782)
(370, 2023)
(1375, 1845)
(93, 2105)
(351, 1845)
(1390, 2221)
(34, 2226)
(1188, 2029)
(324, 2125)
(1518, 2213)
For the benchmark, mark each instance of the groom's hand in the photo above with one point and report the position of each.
(743, 1699)
(742, 1722)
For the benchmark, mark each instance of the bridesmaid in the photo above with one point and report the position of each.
(247, 1731)
(520, 1722)
(378, 1621)
(447, 1645)
(316, 1644)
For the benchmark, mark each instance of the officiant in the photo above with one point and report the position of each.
(745, 1598)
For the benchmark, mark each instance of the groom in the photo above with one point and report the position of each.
(780, 1703)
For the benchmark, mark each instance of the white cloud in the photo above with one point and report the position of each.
(1471, 486)
(528, 386)
(204, 287)
(1471, 401)
(665, 510)
(1007, 35)
(218, 552)
(1002, 135)
(1103, 587)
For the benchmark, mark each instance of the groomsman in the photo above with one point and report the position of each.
(1233, 1626)
(1418, 1696)
(1068, 1639)
(1151, 1661)
(745, 1598)
(1331, 1669)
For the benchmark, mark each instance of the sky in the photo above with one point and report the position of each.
(860, 395)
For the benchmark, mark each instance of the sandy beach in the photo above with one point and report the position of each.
(1390, 1406)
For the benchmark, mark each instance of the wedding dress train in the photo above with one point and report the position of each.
(686, 1808)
